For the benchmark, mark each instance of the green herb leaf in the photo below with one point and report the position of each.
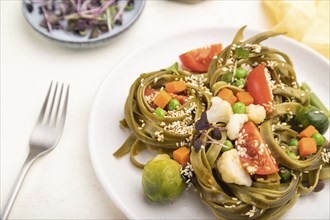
(174, 68)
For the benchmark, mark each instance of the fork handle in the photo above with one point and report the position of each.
(17, 185)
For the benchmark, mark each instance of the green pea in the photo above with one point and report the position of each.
(173, 104)
(160, 112)
(239, 108)
(293, 142)
(292, 155)
(240, 83)
(240, 73)
(227, 77)
(241, 53)
(318, 138)
(227, 146)
(285, 175)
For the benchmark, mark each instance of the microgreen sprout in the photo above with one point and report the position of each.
(81, 17)
(198, 142)
(202, 123)
(202, 137)
(216, 133)
(211, 140)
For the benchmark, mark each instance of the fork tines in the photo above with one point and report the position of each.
(55, 105)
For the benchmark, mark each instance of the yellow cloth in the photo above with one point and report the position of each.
(305, 21)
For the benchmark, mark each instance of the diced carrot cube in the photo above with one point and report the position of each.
(245, 97)
(227, 94)
(175, 86)
(182, 155)
(162, 99)
(308, 132)
(307, 146)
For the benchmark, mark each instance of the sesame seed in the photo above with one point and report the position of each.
(159, 136)
(229, 206)
(251, 169)
(294, 176)
(271, 64)
(325, 156)
(251, 212)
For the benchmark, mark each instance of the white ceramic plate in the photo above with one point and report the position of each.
(69, 39)
(122, 181)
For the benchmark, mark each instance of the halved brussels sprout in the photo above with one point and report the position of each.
(161, 179)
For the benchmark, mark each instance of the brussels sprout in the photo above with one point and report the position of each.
(310, 115)
(161, 179)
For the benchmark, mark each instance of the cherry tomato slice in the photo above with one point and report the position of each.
(257, 86)
(198, 60)
(254, 153)
(181, 98)
(149, 91)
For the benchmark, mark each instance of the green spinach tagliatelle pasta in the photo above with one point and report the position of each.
(162, 134)
(269, 197)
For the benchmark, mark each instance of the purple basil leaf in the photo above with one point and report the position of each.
(216, 134)
(197, 143)
(202, 123)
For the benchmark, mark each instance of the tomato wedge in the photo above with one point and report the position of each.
(198, 60)
(181, 98)
(257, 86)
(253, 152)
(149, 91)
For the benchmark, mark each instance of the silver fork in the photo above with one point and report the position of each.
(45, 136)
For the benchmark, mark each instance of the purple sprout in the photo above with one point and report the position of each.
(202, 138)
(81, 17)
(202, 123)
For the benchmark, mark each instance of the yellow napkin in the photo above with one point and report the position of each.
(305, 21)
